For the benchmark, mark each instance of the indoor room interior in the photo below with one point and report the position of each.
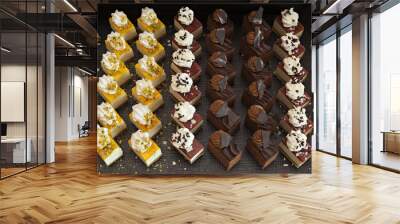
(49, 168)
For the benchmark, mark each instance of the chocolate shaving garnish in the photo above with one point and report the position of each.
(223, 110)
(225, 139)
(220, 34)
(223, 83)
(265, 135)
(262, 117)
(259, 64)
(260, 88)
(220, 16)
(219, 59)
(257, 19)
(257, 38)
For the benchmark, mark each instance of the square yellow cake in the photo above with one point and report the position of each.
(120, 23)
(108, 150)
(108, 117)
(144, 147)
(144, 119)
(109, 89)
(148, 45)
(145, 93)
(116, 68)
(149, 22)
(118, 45)
(147, 68)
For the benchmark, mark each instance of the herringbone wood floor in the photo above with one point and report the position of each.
(70, 191)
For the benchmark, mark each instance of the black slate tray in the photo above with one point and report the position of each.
(171, 162)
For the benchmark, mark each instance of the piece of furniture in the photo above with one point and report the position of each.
(84, 129)
(13, 150)
(391, 141)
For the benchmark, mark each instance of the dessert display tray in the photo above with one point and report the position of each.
(171, 162)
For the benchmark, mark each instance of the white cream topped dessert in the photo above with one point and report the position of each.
(140, 141)
(110, 61)
(148, 64)
(292, 65)
(185, 16)
(294, 90)
(181, 82)
(107, 84)
(183, 139)
(142, 114)
(148, 40)
(103, 138)
(184, 38)
(106, 114)
(297, 117)
(184, 111)
(296, 141)
(145, 88)
(149, 16)
(183, 58)
(119, 18)
(116, 41)
(290, 43)
(290, 18)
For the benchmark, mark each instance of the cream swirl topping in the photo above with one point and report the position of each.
(290, 18)
(106, 114)
(184, 111)
(148, 40)
(110, 61)
(142, 114)
(145, 88)
(116, 41)
(181, 82)
(292, 65)
(107, 84)
(290, 42)
(297, 117)
(183, 58)
(140, 141)
(103, 138)
(184, 38)
(148, 64)
(296, 141)
(185, 16)
(183, 139)
(119, 18)
(294, 90)
(148, 16)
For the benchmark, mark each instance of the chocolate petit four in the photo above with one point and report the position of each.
(288, 45)
(296, 148)
(257, 93)
(289, 69)
(224, 150)
(186, 20)
(148, 21)
(183, 61)
(296, 119)
(218, 64)
(219, 19)
(288, 22)
(120, 23)
(253, 44)
(293, 95)
(255, 19)
(184, 39)
(182, 89)
(222, 117)
(257, 118)
(261, 146)
(219, 89)
(184, 114)
(255, 69)
(216, 40)
(144, 147)
(184, 141)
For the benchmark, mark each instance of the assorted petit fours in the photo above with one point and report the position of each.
(182, 89)
(257, 93)
(221, 145)
(296, 148)
(116, 43)
(222, 117)
(257, 118)
(109, 89)
(114, 67)
(183, 39)
(145, 93)
(262, 147)
(296, 119)
(253, 44)
(288, 45)
(183, 61)
(108, 117)
(144, 119)
(148, 45)
(288, 22)
(255, 19)
(144, 147)
(219, 89)
(217, 40)
(108, 150)
(184, 114)
(148, 21)
(219, 19)
(293, 95)
(218, 64)
(255, 69)
(187, 145)
(290, 69)
(120, 23)
(187, 21)
(147, 68)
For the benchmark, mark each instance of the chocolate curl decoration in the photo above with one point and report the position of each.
(259, 64)
(266, 138)
(257, 38)
(220, 34)
(262, 117)
(260, 88)
(257, 19)
(223, 110)
(219, 59)
(225, 139)
(220, 16)
(222, 84)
